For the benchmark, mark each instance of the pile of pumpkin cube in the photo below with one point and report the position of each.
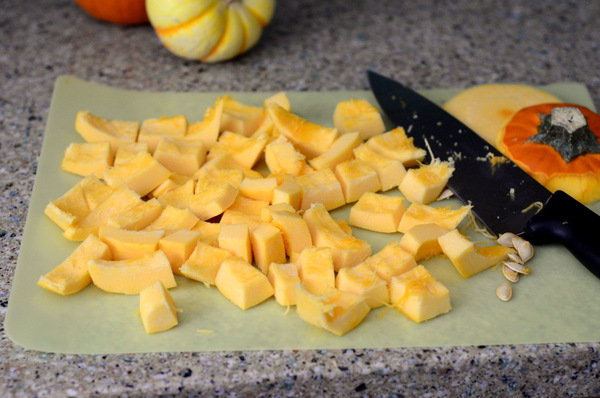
(167, 197)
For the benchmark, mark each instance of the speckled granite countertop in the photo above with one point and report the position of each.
(311, 45)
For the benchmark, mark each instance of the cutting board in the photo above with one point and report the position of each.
(558, 302)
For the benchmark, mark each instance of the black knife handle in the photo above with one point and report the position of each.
(566, 221)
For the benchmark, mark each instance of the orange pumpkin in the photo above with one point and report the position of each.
(123, 12)
(578, 176)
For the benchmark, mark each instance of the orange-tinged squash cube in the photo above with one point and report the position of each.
(337, 312)
(282, 157)
(209, 176)
(128, 150)
(362, 280)
(258, 188)
(86, 158)
(419, 213)
(98, 129)
(425, 183)
(397, 145)
(267, 246)
(244, 150)
(340, 151)
(356, 177)
(69, 209)
(172, 218)
(265, 212)
(377, 212)
(280, 99)
(204, 262)
(390, 171)
(75, 204)
(309, 138)
(421, 241)
(288, 192)
(284, 278)
(157, 308)
(209, 232)
(209, 128)
(125, 244)
(315, 269)
(131, 276)
(243, 284)
(323, 187)
(390, 261)
(138, 216)
(178, 246)
(142, 174)
(152, 130)
(238, 217)
(358, 115)
(244, 208)
(241, 118)
(180, 157)
(71, 275)
(467, 257)
(295, 232)
(95, 191)
(236, 239)
(120, 200)
(346, 249)
(173, 182)
(418, 295)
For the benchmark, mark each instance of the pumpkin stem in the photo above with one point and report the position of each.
(566, 130)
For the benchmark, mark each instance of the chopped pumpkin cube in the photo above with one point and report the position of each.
(236, 239)
(295, 233)
(282, 157)
(128, 150)
(338, 312)
(152, 130)
(425, 183)
(418, 295)
(377, 212)
(157, 308)
(421, 241)
(180, 157)
(178, 246)
(244, 150)
(419, 213)
(125, 244)
(209, 128)
(71, 275)
(173, 218)
(138, 216)
(397, 145)
(241, 118)
(267, 246)
(284, 278)
(98, 129)
(360, 116)
(204, 262)
(85, 158)
(390, 261)
(340, 151)
(390, 171)
(362, 280)
(131, 276)
(315, 269)
(468, 258)
(321, 187)
(142, 173)
(356, 177)
(258, 188)
(243, 284)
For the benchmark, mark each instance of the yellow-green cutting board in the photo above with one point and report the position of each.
(558, 302)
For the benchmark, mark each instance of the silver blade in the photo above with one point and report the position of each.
(502, 195)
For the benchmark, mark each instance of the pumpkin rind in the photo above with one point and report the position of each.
(123, 12)
(209, 30)
(580, 177)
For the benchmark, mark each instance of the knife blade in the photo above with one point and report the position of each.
(504, 197)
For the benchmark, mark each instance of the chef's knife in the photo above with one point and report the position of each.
(504, 197)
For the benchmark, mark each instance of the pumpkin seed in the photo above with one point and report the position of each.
(524, 248)
(507, 239)
(516, 258)
(510, 273)
(520, 268)
(504, 291)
